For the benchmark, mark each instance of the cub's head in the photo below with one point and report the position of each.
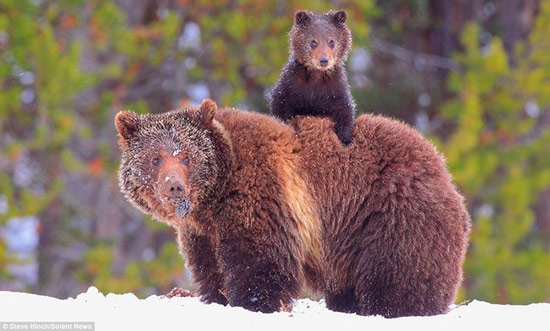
(168, 160)
(320, 41)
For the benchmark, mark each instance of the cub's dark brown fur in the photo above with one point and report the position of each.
(263, 209)
(314, 81)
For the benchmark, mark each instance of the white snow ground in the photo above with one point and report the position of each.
(127, 312)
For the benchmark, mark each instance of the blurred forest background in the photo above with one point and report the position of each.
(472, 75)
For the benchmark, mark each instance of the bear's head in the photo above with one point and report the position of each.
(320, 41)
(169, 163)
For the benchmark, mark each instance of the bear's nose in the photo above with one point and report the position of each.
(174, 188)
(324, 61)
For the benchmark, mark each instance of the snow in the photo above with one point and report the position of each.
(127, 312)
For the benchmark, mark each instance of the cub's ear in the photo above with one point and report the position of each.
(339, 17)
(127, 124)
(302, 18)
(207, 110)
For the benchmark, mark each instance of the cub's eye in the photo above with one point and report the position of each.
(313, 44)
(185, 161)
(156, 161)
(331, 44)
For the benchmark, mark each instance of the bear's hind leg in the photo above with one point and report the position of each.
(344, 301)
(392, 290)
(385, 300)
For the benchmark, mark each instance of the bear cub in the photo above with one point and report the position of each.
(314, 80)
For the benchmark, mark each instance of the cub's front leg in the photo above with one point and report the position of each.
(343, 114)
(201, 257)
(343, 126)
(259, 274)
(281, 104)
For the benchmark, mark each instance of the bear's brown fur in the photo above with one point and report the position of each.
(314, 81)
(263, 209)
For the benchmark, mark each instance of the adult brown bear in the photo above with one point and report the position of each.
(263, 209)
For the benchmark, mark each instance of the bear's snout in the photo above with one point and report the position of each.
(174, 187)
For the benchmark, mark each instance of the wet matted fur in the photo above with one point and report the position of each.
(377, 227)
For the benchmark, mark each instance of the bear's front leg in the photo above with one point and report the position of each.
(258, 277)
(201, 259)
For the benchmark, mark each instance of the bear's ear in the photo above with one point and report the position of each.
(339, 17)
(127, 124)
(207, 110)
(302, 18)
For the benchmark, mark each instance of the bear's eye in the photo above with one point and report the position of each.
(156, 161)
(185, 161)
(331, 44)
(313, 44)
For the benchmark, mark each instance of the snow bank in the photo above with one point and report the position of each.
(127, 312)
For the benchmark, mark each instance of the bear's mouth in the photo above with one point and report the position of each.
(175, 209)
(315, 64)
(182, 207)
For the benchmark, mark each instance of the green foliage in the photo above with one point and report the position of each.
(137, 277)
(5, 261)
(55, 67)
(45, 127)
(252, 36)
(499, 167)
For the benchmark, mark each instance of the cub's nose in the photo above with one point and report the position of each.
(324, 61)
(174, 188)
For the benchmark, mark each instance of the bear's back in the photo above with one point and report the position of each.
(383, 151)
(386, 156)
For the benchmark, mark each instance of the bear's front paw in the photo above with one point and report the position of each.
(219, 297)
(259, 303)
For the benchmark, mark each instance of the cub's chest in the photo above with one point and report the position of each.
(316, 88)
